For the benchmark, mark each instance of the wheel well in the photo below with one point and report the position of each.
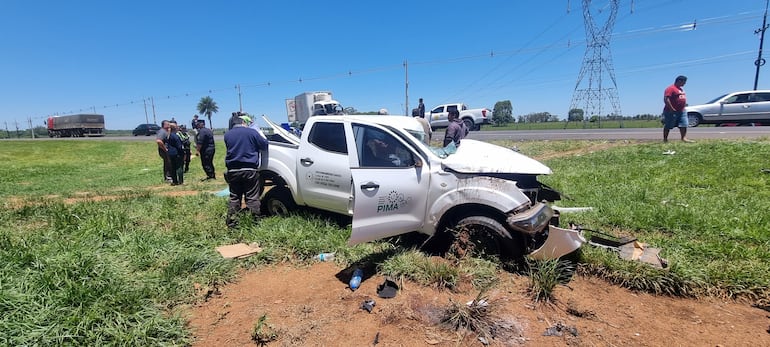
(445, 239)
(456, 213)
(270, 178)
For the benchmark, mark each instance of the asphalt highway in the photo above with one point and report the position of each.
(649, 134)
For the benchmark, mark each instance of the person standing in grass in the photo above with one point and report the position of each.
(160, 140)
(194, 128)
(186, 155)
(675, 100)
(206, 150)
(242, 160)
(175, 151)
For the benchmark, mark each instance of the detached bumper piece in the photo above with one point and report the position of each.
(559, 243)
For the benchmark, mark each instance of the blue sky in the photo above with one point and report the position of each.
(81, 56)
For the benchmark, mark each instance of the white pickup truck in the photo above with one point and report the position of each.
(473, 118)
(377, 170)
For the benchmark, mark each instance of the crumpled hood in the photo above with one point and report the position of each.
(480, 157)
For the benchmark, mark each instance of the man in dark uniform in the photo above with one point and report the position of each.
(160, 139)
(205, 146)
(242, 160)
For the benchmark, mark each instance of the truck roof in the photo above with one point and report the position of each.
(407, 123)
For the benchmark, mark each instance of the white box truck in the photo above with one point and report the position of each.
(310, 104)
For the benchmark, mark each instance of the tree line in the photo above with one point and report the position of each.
(502, 114)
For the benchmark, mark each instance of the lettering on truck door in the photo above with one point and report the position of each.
(323, 169)
(390, 189)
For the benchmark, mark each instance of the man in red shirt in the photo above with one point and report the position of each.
(673, 112)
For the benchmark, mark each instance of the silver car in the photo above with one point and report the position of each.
(739, 108)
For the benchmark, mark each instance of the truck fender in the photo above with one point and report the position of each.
(278, 171)
(499, 194)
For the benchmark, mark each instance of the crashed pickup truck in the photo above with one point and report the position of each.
(377, 170)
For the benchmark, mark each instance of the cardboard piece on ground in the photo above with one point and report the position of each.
(238, 250)
(640, 251)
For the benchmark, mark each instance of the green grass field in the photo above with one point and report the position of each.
(96, 250)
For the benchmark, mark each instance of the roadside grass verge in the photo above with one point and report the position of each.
(704, 206)
(119, 270)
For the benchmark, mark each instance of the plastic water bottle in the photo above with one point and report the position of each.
(355, 281)
(325, 257)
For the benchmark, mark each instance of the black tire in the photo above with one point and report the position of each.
(484, 236)
(693, 119)
(469, 124)
(277, 202)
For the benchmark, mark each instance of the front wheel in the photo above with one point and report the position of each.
(485, 236)
(277, 202)
(693, 119)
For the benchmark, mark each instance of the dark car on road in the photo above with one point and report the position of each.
(146, 129)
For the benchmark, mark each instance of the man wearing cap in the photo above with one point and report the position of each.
(206, 149)
(242, 161)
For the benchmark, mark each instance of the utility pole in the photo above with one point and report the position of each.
(761, 31)
(152, 102)
(240, 103)
(146, 119)
(31, 128)
(406, 87)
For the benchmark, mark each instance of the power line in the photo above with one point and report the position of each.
(559, 44)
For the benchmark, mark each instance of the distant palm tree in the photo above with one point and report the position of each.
(207, 106)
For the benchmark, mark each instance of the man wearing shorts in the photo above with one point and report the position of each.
(673, 112)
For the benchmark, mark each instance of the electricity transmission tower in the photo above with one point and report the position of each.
(590, 93)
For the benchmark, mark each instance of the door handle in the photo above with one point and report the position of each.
(370, 186)
(306, 161)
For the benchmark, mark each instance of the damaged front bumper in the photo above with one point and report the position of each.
(535, 222)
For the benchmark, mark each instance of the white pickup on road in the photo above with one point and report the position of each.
(377, 170)
(473, 118)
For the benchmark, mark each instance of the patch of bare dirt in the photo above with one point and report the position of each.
(312, 306)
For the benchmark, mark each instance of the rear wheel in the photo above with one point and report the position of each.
(277, 202)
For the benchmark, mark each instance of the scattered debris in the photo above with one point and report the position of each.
(572, 209)
(560, 242)
(603, 239)
(639, 251)
(765, 170)
(477, 304)
(669, 152)
(387, 289)
(239, 250)
(376, 339)
(368, 305)
(627, 247)
(559, 329)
